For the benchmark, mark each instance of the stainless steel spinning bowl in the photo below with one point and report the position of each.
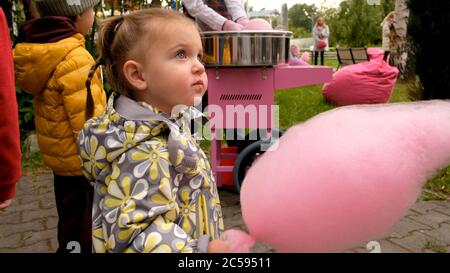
(245, 48)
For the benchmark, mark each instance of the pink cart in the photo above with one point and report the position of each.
(244, 69)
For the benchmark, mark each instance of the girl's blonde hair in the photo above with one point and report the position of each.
(321, 18)
(117, 38)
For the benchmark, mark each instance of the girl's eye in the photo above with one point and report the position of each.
(181, 54)
(200, 57)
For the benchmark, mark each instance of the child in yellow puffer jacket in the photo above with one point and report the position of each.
(51, 63)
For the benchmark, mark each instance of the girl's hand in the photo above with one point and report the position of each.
(218, 246)
(243, 21)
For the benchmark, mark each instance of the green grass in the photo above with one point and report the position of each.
(32, 161)
(300, 104)
(438, 188)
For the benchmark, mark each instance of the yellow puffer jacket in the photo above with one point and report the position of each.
(55, 73)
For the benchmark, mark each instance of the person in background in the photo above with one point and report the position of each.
(387, 25)
(10, 155)
(52, 63)
(320, 32)
(228, 15)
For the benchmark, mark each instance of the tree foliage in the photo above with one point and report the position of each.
(353, 23)
(301, 17)
(357, 23)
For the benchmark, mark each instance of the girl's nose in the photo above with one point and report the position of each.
(198, 66)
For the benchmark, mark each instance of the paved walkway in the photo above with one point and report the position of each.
(29, 224)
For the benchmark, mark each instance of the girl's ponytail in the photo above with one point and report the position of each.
(89, 112)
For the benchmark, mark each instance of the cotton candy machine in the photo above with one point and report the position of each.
(244, 69)
(246, 48)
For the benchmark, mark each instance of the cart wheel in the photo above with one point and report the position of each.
(245, 143)
(248, 152)
(244, 161)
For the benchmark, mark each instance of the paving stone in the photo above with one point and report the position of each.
(228, 199)
(360, 250)
(35, 226)
(445, 211)
(349, 252)
(11, 241)
(32, 215)
(32, 238)
(12, 219)
(431, 218)
(441, 234)
(53, 245)
(28, 198)
(39, 247)
(389, 247)
(230, 211)
(407, 225)
(233, 221)
(47, 201)
(411, 213)
(423, 207)
(51, 222)
(16, 207)
(42, 189)
(260, 247)
(445, 203)
(414, 243)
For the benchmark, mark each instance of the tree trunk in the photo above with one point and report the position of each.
(399, 46)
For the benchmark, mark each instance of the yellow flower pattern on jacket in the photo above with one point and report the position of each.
(154, 188)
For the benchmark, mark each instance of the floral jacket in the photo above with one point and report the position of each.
(154, 188)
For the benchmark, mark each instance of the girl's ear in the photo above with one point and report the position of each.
(132, 71)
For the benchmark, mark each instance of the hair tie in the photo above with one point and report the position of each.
(101, 61)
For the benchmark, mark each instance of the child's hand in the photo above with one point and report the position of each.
(242, 21)
(231, 26)
(218, 246)
(5, 204)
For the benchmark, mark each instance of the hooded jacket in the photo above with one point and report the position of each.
(154, 188)
(52, 64)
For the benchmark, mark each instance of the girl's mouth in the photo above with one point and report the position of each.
(198, 83)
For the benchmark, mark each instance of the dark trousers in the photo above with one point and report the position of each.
(316, 55)
(74, 196)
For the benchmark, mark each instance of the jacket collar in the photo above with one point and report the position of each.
(48, 29)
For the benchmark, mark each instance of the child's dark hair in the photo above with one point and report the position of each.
(116, 40)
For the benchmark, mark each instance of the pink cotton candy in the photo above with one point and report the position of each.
(257, 24)
(346, 176)
(297, 61)
(305, 56)
(295, 58)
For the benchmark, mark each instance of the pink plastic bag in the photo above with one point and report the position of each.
(363, 83)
